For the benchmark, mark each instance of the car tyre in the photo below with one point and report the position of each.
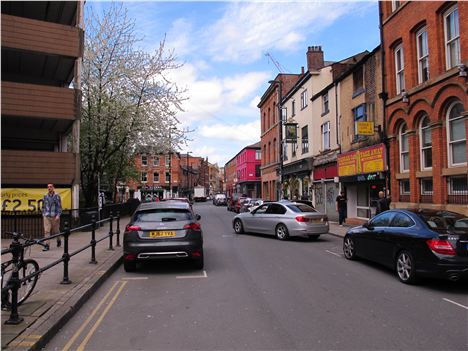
(281, 232)
(314, 237)
(129, 266)
(349, 249)
(238, 227)
(405, 267)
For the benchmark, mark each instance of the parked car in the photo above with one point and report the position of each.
(234, 203)
(249, 204)
(282, 219)
(413, 243)
(163, 230)
(220, 200)
(306, 202)
(179, 199)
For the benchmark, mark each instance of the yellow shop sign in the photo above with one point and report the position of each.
(30, 199)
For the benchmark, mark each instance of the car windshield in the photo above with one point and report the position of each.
(163, 215)
(445, 220)
(301, 208)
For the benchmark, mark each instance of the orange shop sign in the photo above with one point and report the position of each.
(367, 160)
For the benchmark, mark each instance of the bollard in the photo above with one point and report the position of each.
(110, 232)
(66, 255)
(118, 229)
(14, 282)
(93, 239)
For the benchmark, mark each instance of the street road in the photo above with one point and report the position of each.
(257, 292)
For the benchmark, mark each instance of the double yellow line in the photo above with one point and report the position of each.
(120, 285)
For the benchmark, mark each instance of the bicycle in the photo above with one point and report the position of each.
(25, 268)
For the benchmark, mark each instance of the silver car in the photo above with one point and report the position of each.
(282, 219)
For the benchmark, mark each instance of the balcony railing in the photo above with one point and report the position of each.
(459, 199)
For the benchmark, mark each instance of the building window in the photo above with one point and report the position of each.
(293, 148)
(395, 5)
(404, 187)
(399, 69)
(358, 81)
(167, 160)
(404, 149)
(304, 99)
(359, 116)
(264, 161)
(156, 161)
(274, 150)
(144, 177)
(325, 129)
(426, 186)
(325, 107)
(285, 152)
(156, 177)
(456, 135)
(305, 139)
(458, 189)
(144, 160)
(168, 177)
(425, 142)
(293, 108)
(423, 55)
(452, 37)
(258, 154)
(264, 122)
(257, 171)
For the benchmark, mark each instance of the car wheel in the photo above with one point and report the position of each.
(314, 237)
(348, 248)
(129, 266)
(238, 227)
(281, 232)
(405, 267)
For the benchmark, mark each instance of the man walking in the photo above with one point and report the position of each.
(383, 203)
(51, 211)
(341, 207)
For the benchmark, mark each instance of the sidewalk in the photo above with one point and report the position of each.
(52, 304)
(337, 230)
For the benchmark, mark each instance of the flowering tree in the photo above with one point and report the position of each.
(127, 101)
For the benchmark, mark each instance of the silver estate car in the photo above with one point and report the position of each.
(282, 219)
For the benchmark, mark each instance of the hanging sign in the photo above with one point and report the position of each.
(291, 133)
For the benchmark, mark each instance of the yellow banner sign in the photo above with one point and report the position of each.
(365, 128)
(30, 199)
(367, 160)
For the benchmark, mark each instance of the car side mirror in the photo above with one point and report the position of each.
(368, 226)
(198, 217)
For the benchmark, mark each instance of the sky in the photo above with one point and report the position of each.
(223, 45)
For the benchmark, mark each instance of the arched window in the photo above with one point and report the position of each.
(456, 134)
(404, 148)
(425, 142)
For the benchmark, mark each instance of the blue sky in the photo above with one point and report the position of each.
(223, 47)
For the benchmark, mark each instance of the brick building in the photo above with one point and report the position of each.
(425, 47)
(230, 176)
(42, 45)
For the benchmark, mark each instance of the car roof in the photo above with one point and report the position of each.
(163, 204)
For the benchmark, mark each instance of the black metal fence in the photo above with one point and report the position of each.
(31, 222)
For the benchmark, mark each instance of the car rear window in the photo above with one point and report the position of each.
(445, 220)
(301, 208)
(163, 215)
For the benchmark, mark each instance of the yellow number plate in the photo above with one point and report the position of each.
(161, 234)
(315, 220)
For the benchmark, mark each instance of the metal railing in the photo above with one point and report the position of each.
(15, 248)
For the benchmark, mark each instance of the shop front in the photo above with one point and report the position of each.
(363, 173)
(296, 179)
(149, 193)
(326, 189)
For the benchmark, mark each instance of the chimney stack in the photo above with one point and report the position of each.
(314, 58)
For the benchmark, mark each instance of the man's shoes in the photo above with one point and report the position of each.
(59, 242)
(46, 247)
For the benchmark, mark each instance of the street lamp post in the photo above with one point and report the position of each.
(279, 85)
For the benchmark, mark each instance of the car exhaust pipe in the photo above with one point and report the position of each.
(454, 277)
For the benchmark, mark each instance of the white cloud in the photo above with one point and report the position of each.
(249, 29)
(248, 133)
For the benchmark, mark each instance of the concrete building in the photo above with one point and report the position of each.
(42, 47)
(425, 47)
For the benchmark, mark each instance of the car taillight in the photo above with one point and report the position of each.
(302, 219)
(130, 228)
(193, 226)
(442, 247)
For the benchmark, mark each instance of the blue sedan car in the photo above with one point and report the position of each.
(417, 242)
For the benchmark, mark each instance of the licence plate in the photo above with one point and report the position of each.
(161, 234)
(315, 220)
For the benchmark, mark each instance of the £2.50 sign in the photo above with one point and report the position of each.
(30, 199)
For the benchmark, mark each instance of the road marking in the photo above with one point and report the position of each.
(228, 235)
(22, 343)
(135, 278)
(80, 330)
(333, 253)
(100, 319)
(456, 303)
(192, 276)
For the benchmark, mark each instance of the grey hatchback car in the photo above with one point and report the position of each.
(282, 219)
(163, 230)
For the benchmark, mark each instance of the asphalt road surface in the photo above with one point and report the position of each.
(259, 293)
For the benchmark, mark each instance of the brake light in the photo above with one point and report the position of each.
(130, 228)
(193, 226)
(196, 254)
(130, 257)
(302, 219)
(442, 247)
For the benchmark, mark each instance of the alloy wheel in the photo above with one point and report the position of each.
(348, 248)
(282, 232)
(405, 267)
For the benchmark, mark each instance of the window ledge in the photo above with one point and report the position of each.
(463, 170)
(358, 92)
(325, 113)
(402, 175)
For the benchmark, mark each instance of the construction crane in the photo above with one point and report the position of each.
(280, 68)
